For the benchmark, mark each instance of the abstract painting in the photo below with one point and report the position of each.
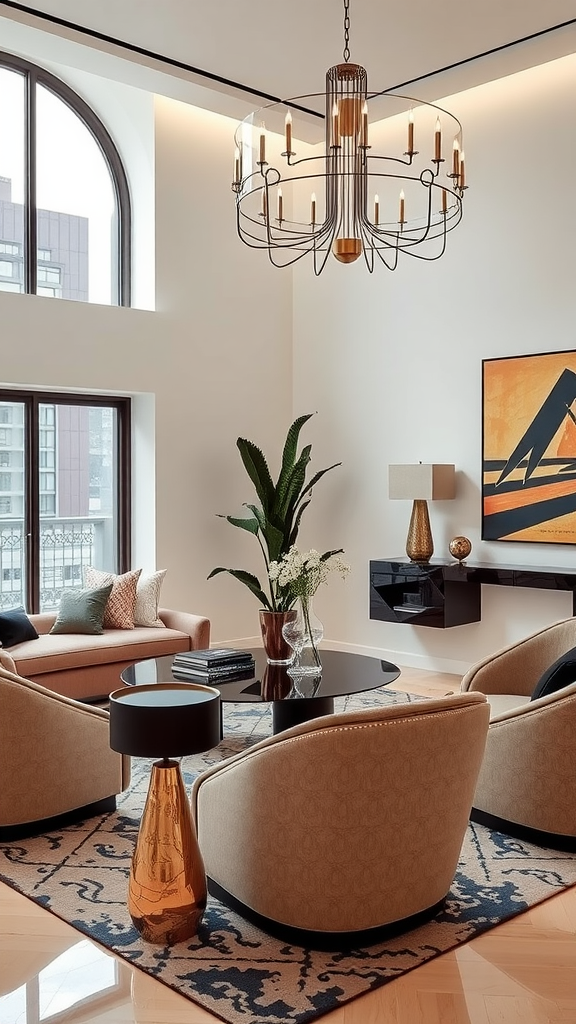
(529, 448)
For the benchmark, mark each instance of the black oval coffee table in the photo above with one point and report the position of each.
(293, 701)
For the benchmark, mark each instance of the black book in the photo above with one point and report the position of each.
(185, 675)
(216, 670)
(213, 657)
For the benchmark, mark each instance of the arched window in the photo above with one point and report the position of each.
(64, 199)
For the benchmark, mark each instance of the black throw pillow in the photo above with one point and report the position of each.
(15, 627)
(560, 674)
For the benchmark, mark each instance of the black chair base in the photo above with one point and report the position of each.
(328, 941)
(27, 829)
(551, 840)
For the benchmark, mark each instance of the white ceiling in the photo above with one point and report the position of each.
(285, 49)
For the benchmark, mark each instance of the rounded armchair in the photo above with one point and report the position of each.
(345, 827)
(527, 783)
(55, 758)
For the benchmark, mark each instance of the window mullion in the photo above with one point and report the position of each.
(31, 220)
(32, 504)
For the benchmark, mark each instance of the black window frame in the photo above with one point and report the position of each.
(122, 255)
(32, 400)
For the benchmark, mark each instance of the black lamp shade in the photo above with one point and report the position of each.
(165, 719)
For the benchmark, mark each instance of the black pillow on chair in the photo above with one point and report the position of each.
(15, 627)
(560, 674)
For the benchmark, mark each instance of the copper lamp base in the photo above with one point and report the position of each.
(167, 890)
(419, 544)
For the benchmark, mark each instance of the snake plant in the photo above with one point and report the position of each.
(275, 521)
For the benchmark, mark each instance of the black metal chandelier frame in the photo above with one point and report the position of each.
(347, 168)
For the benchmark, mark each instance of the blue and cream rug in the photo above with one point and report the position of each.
(231, 968)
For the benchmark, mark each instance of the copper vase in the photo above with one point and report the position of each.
(167, 890)
(278, 652)
(419, 543)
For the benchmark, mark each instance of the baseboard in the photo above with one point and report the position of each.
(405, 659)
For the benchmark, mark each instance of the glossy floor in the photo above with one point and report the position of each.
(522, 972)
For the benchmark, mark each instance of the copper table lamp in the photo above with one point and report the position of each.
(167, 889)
(421, 482)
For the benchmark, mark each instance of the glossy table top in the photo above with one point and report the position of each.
(342, 674)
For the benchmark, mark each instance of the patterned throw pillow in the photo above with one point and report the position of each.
(148, 599)
(119, 611)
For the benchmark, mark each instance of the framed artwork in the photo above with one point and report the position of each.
(529, 448)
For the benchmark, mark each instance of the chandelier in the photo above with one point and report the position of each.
(341, 195)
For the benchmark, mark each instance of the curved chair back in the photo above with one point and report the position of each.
(348, 822)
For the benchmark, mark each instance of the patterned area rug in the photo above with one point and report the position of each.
(231, 968)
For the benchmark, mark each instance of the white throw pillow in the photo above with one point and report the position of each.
(148, 599)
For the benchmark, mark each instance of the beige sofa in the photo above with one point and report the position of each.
(87, 667)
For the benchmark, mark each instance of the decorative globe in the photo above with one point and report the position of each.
(460, 547)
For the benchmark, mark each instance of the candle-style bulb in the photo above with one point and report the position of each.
(280, 205)
(237, 174)
(288, 132)
(364, 130)
(262, 154)
(313, 209)
(376, 209)
(456, 159)
(438, 141)
(335, 125)
(410, 149)
(462, 171)
(401, 216)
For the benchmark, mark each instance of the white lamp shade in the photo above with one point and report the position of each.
(428, 481)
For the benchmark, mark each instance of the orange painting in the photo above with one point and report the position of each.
(529, 448)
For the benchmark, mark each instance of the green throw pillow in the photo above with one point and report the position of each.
(82, 611)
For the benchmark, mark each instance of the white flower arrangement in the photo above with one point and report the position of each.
(301, 573)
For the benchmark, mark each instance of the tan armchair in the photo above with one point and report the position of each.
(55, 758)
(527, 783)
(346, 825)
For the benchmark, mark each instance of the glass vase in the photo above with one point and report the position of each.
(304, 633)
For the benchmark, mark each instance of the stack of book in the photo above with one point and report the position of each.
(217, 665)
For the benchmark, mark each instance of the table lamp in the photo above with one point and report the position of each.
(422, 482)
(167, 888)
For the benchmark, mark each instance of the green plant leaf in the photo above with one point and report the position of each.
(295, 486)
(289, 457)
(274, 541)
(251, 525)
(249, 580)
(257, 468)
(258, 515)
(318, 476)
(328, 554)
(296, 526)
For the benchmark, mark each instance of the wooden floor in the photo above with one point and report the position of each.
(522, 972)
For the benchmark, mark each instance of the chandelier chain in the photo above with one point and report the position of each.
(346, 53)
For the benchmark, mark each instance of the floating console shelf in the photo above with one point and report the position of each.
(444, 593)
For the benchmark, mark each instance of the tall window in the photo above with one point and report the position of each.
(64, 493)
(64, 199)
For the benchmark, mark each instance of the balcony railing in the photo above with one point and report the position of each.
(66, 546)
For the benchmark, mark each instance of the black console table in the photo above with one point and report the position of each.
(441, 593)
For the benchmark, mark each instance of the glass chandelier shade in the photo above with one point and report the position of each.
(342, 195)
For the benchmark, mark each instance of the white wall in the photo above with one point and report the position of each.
(213, 362)
(392, 362)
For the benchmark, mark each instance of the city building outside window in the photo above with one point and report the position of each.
(64, 199)
(65, 501)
